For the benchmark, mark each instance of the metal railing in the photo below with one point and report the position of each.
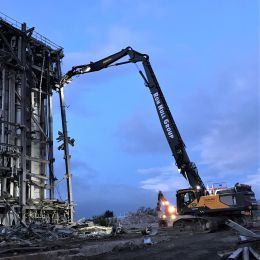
(35, 35)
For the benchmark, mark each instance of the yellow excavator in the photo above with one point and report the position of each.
(197, 207)
(207, 212)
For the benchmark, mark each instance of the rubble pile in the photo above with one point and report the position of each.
(26, 237)
(35, 233)
(41, 238)
(88, 229)
(138, 220)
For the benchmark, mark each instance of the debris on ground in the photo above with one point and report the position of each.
(246, 237)
(140, 237)
(148, 241)
(144, 221)
(34, 233)
(144, 217)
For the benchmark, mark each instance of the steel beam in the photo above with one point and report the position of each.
(66, 153)
(242, 230)
(50, 147)
(11, 50)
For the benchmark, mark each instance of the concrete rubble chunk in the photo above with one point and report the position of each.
(35, 233)
(148, 241)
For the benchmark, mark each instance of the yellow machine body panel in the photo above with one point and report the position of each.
(210, 201)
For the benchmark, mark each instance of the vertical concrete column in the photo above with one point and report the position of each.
(3, 107)
(50, 146)
(22, 186)
(3, 179)
(11, 135)
(11, 190)
(3, 186)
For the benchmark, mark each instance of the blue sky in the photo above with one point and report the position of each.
(206, 57)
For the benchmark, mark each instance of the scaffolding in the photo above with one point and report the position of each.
(29, 70)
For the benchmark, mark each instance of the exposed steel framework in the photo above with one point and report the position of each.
(29, 70)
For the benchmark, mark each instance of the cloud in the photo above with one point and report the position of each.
(139, 134)
(83, 176)
(166, 179)
(254, 181)
(140, 9)
(231, 142)
(226, 148)
(82, 166)
(116, 37)
(120, 198)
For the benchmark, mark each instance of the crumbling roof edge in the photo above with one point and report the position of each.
(36, 36)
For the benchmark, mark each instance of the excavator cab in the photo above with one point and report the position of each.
(184, 198)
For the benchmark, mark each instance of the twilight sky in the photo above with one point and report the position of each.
(206, 57)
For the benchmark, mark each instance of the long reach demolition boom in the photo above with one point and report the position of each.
(187, 168)
(197, 207)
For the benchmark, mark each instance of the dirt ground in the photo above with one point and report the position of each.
(166, 244)
(177, 246)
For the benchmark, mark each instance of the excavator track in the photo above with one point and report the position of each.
(197, 224)
(206, 224)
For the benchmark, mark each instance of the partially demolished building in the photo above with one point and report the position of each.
(29, 70)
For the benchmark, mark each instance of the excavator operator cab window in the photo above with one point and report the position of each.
(185, 198)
